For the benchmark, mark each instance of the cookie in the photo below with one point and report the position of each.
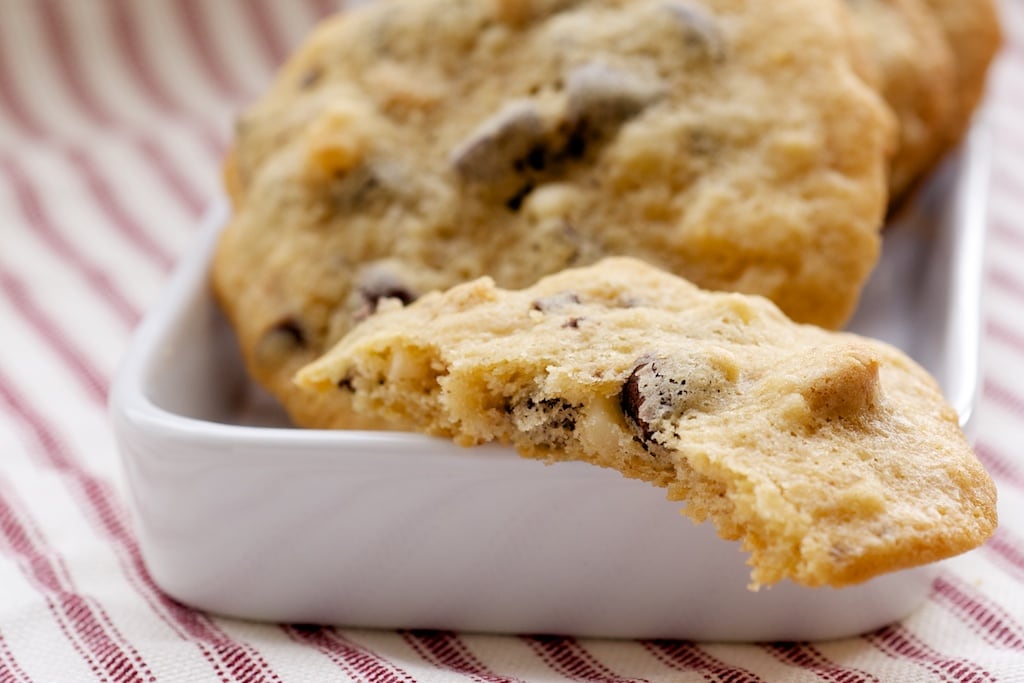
(833, 457)
(974, 35)
(409, 146)
(909, 60)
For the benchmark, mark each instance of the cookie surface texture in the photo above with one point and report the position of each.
(909, 60)
(410, 146)
(833, 457)
(974, 35)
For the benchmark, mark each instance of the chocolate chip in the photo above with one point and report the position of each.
(701, 32)
(549, 421)
(555, 302)
(492, 151)
(515, 202)
(537, 159)
(632, 400)
(373, 296)
(289, 330)
(282, 339)
(380, 281)
(576, 144)
(601, 98)
(661, 389)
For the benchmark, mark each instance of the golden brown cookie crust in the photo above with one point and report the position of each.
(974, 35)
(909, 60)
(405, 151)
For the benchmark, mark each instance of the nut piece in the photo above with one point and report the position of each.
(849, 387)
(336, 142)
(492, 150)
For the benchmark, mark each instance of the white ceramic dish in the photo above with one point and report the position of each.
(240, 515)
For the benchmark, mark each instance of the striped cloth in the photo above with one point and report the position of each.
(113, 118)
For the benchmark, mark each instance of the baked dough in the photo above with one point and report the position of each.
(909, 60)
(412, 145)
(833, 457)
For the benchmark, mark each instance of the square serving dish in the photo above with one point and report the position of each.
(241, 515)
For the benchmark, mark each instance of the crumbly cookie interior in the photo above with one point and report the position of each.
(833, 458)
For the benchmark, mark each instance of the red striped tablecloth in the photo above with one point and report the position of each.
(113, 118)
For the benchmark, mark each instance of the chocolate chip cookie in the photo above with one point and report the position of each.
(974, 35)
(909, 60)
(833, 457)
(928, 59)
(411, 145)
